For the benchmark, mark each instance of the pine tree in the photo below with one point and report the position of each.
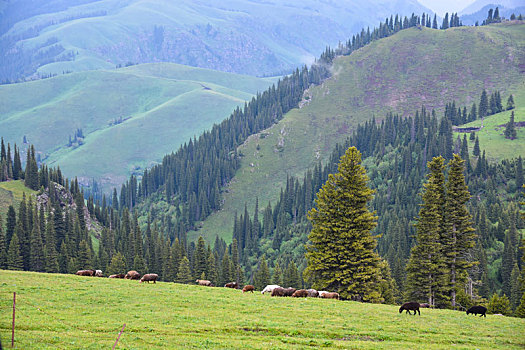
(10, 224)
(509, 257)
(63, 258)
(3, 246)
(277, 277)
(426, 266)
(84, 259)
(291, 276)
(200, 258)
(139, 264)
(213, 272)
(510, 103)
(483, 108)
(510, 128)
(14, 258)
(340, 253)
(117, 264)
(37, 250)
(515, 294)
(499, 305)
(476, 151)
(458, 237)
(184, 274)
(225, 275)
(262, 275)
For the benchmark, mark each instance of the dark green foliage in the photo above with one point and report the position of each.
(426, 269)
(476, 151)
(499, 305)
(510, 103)
(37, 250)
(184, 274)
(341, 253)
(262, 275)
(458, 237)
(14, 258)
(117, 265)
(510, 128)
(483, 109)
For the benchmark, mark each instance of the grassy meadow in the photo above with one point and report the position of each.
(161, 106)
(11, 193)
(72, 312)
(398, 74)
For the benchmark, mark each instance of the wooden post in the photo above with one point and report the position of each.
(13, 331)
(116, 341)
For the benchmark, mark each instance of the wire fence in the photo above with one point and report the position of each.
(35, 334)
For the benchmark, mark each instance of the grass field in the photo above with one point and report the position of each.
(162, 106)
(397, 74)
(11, 193)
(492, 138)
(72, 312)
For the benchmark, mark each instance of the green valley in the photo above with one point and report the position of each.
(129, 117)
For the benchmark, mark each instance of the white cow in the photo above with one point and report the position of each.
(98, 273)
(322, 292)
(269, 288)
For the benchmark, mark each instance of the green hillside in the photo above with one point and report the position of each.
(160, 106)
(491, 137)
(397, 74)
(11, 193)
(242, 36)
(71, 312)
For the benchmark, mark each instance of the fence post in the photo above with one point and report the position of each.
(116, 341)
(13, 331)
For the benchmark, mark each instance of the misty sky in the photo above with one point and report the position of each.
(442, 6)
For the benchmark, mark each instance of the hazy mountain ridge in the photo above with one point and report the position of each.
(249, 37)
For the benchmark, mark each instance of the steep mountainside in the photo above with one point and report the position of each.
(414, 67)
(242, 36)
(129, 117)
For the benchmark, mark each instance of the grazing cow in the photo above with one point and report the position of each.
(322, 292)
(86, 273)
(424, 305)
(278, 292)
(329, 295)
(204, 283)
(301, 293)
(132, 275)
(149, 277)
(288, 292)
(233, 285)
(312, 293)
(248, 288)
(478, 309)
(269, 288)
(120, 275)
(98, 273)
(410, 306)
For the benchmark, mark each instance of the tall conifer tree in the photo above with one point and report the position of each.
(426, 266)
(341, 254)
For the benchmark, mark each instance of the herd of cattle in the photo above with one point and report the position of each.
(274, 290)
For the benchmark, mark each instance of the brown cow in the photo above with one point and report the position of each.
(120, 275)
(333, 295)
(204, 283)
(86, 273)
(248, 288)
(301, 293)
(278, 292)
(149, 277)
(233, 285)
(132, 275)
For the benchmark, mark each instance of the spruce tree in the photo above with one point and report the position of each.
(510, 128)
(14, 258)
(458, 237)
(277, 277)
(84, 259)
(509, 257)
(476, 151)
(291, 276)
(510, 103)
(117, 264)
(483, 108)
(10, 224)
(200, 258)
(139, 264)
(213, 272)
(37, 250)
(515, 293)
(3, 246)
(340, 253)
(184, 274)
(426, 266)
(262, 275)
